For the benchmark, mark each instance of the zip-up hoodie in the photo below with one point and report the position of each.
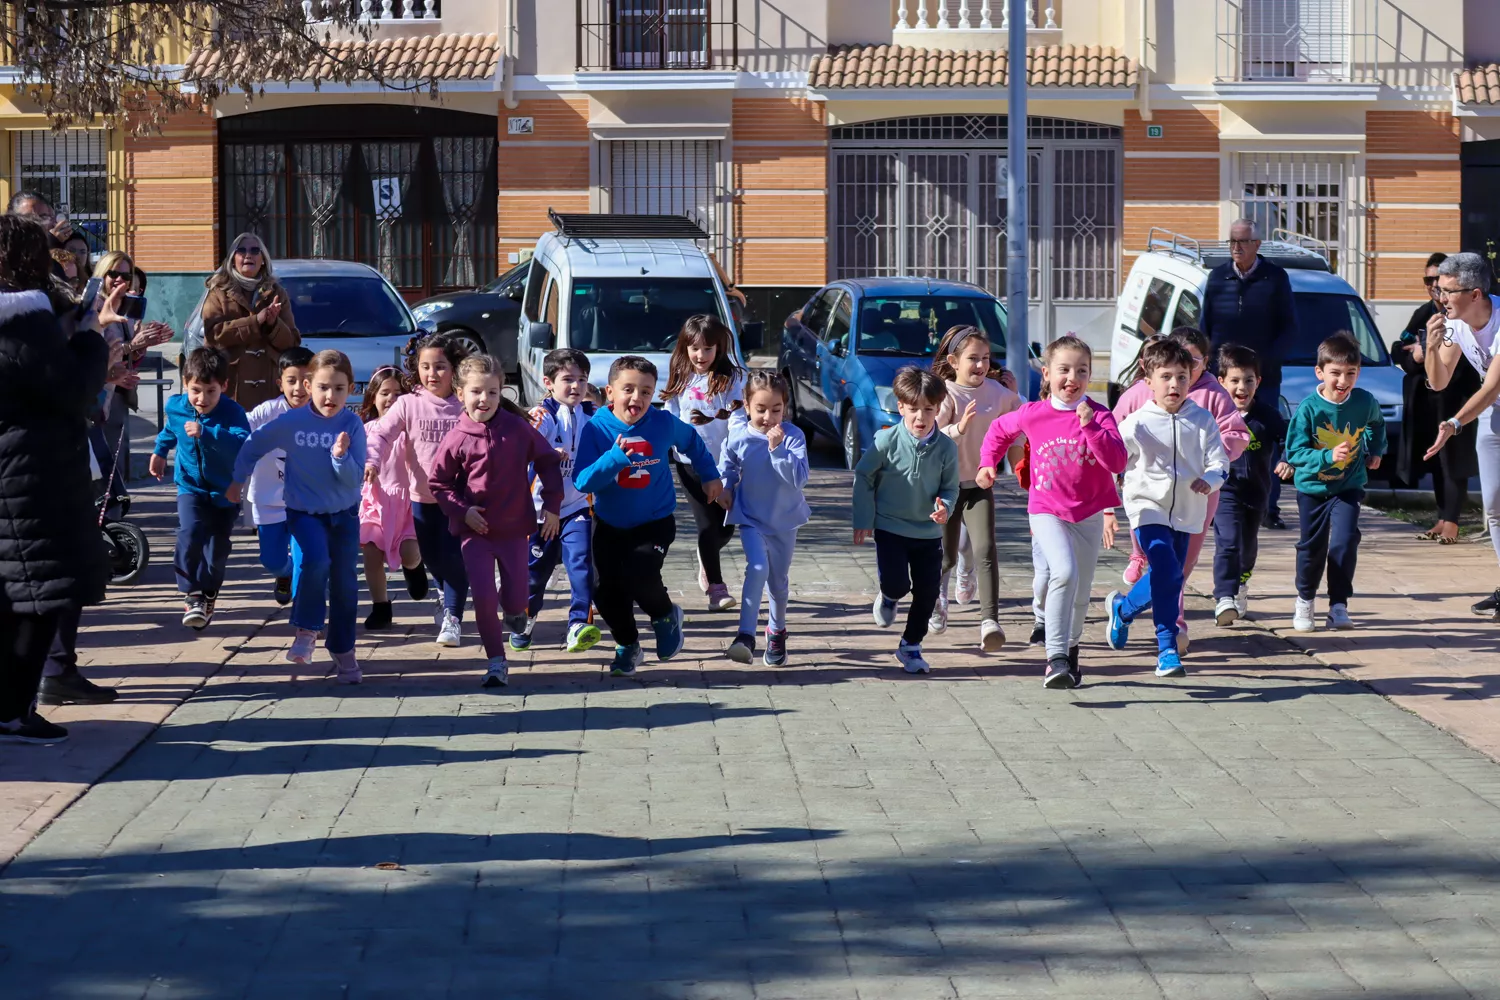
(426, 420)
(1072, 468)
(484, 465)
(1208, 393)
(766, 482)
(206, 463)
(316, 482)
(563, 426)
(635, 488)
(1167, 452)
(264, 491)
(899, 481)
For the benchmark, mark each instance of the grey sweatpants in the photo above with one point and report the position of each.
(1071, 551)
(1488, 446)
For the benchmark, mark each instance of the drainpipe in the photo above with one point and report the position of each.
(1142, 74)
(508, 63)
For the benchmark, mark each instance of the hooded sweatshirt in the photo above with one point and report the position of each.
(991, 400)
(205, 464)
(1208, 393)
(898, 482)
(483, 464)
(1072, 467)
(425, 420)
(264, 491)
(635, 488)
(316, 481)
(1168, 451)
(766, 482)
(562, 426)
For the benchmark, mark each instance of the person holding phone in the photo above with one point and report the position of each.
(248, 316)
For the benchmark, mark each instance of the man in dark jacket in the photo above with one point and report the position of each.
(1248, 301)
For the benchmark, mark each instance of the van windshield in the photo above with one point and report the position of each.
(913, 326)
(625, 315)
(1321, 316)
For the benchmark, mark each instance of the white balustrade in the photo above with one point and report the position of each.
(410, 10)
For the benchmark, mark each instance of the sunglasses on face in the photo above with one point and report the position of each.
(248, 252)
(120, 275)
(1430, 280)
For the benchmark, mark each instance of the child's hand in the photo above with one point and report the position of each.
(372, 474)
(1373, 462)
(192, 428)
(1285, 472)
(628, 447)
(1342, 451)
(775, 436)
(341, 445)
(713, 489)
(562, 453)
(1085, 412)
(726, 499)
(474, 518)
(862, 535)
(939, 513)
(1008, 379)
(1111, 527)
(232, 494)
(158, 467)
(968, 417)
(1200, 487)
(551, 524)
(984, 478)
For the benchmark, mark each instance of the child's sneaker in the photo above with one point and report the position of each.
(496, 674)
(668, 635)
(283, 591)
(416, 581)
(1134, 570)
(210, 601)
(968, 583)
(195, 612)
(1242, 600)
(719, 598)
(302, 646)
(1169, 664)
(1073, 666)
(938, 623)
(1038, 634)
(1338, 617)
(520, 638)
(1182, 643)
(991, 636)
(1119, 628)
(450, 633)
(775, 649)
(582, 637)
(909, 655)
(702, 576)
(627, 658)
(346, 668)
(1302, 617)
(884, 611)
(742, 649)
(380, 616)
(518, 623)
(1059, 673)
(1226, 612)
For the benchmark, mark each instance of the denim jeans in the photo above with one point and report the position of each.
(330, 574)
(1161, 588)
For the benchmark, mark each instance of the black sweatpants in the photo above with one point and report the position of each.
(1448, 489)
(1236, 542)
(24, 641)
(713, 533)
(1330, 535)
(627, 562)
(910, 566)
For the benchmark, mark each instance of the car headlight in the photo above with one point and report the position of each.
(426, 309)
(886, 397)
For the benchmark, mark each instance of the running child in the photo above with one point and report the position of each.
(622, 461)
(1242, 501)
(324, 445)
(387, 536)
(1176, 460)
(904, 490)
(478, 479)
(704, 387)
(1076, 453)
(423, 417)
(208, 430)
(1335, 436)
(561, 418)
(765, 469)
(278, 554)
(973, 401)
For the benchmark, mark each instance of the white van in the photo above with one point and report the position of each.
(1165, 290)
(609, 285)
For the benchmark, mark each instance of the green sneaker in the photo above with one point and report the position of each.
(583, 637)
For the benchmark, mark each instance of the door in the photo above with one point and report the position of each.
(801, 334)
(830, 387)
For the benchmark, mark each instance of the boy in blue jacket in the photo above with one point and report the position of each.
(622, 460)
(208, 429)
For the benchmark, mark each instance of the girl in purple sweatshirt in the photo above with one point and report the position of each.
(479, 478)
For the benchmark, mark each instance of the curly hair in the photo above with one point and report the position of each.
(25, 260)
(451, 346)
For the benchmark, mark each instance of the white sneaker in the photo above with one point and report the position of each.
(938, 623)
(1226, 612)
(991, 636)
(1242, 600)
(451, 632)
(497, 673)
(702, 576)
(1302, 617)
(1338, 617)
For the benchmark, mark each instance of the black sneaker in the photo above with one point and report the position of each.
(283, 592)
(1489, 607)
(1059, 673)
(195, 612)
(1073, 667)
(1273, 520)
(775, 649)
(416, 581)
(742, 649)
(380, 616)
(1038, 635)
(31, 729)
(72, 688)
(209, 602)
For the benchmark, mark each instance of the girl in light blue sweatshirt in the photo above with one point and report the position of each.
(764, 463)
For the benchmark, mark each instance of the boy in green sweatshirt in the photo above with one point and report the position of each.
(904, 488)
(1335, 436)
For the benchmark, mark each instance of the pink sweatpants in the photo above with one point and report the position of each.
(481, 556)
(1195, 549)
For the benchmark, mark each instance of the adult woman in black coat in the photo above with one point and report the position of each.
(51, 554)
(1424, 409)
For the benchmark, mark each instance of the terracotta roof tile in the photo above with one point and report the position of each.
(885, 66)
(1480, 85)
(440, 57)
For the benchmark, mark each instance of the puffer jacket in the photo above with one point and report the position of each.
(229, 324)
(51, 553)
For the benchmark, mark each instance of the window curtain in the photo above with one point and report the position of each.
(391, 165)
(258, 170)
(320, 170)
(461, 166)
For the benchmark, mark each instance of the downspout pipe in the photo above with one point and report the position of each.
(1142, 72)
(508, 59)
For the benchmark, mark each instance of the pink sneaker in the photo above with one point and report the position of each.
(302, 647)
(719, 598)
(1134, 570)
(347, 667)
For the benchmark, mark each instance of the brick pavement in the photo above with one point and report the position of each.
(1265, 828)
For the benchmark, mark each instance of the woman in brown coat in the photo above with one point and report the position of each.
(246, 314)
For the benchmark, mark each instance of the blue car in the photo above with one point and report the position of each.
(840, 352)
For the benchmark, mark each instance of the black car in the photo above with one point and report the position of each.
(486, 317)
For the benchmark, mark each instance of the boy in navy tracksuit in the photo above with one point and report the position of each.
(623, 461)
(1242, 501)
(207, 429)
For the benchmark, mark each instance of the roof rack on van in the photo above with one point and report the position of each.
(1287, 248)
(618, 227)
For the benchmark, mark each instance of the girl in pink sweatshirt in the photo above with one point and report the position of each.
(418, 421)
(386, 534)
(1076, 453)
(1213, 397)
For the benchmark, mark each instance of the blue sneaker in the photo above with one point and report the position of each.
(520, 638)
(627, 658)
(1119, 628)
(884, 611)
(668, 635)
(909, 655)
(1169, 664)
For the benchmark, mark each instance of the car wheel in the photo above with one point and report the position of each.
(851, 440)
(471, 343)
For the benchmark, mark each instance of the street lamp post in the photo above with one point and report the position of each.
(1017, 225)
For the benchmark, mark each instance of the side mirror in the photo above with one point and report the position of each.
(752, 336)
(427, 325)
(515, 292)
(539, 336)
(1036, 348)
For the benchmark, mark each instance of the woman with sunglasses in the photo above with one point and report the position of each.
(247, 315)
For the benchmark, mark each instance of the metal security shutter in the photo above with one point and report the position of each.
(1295, 39)
(667, 177)
(70, 169)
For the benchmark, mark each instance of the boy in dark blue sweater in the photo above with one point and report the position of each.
(622, 460)
(207, 429)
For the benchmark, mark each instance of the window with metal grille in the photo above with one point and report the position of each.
(70, 169)
(1300, 193)
(969, 129)
(667, 177)
(1295, 39)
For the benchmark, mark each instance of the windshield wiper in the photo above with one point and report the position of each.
(894, 352)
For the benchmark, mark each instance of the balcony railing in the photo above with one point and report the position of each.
(1334, 41)
(969, 15)
(658, 34)
(375, 10)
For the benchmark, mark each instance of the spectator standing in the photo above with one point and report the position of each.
(32, 206)
(248, 316)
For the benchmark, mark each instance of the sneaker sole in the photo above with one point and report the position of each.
(1058, 681)
(1340, 628)
(993, 643)
(1174, 672)
(350, 680)
(622, 673)
(1227, 617)
(448, 643)
(915, 671)
(54, 699)
(491, 681)
(773, 663)
(195, 623)
(935, 627)
(740, 654)
(520, 646)
(299, 660)
(1109, 629)
(587, 639)
(1304, 627)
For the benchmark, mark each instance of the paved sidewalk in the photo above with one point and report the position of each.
(1265, 828)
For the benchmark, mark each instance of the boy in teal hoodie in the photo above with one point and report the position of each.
(904, 488)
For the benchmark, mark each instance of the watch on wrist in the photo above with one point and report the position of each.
(1455, 423)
